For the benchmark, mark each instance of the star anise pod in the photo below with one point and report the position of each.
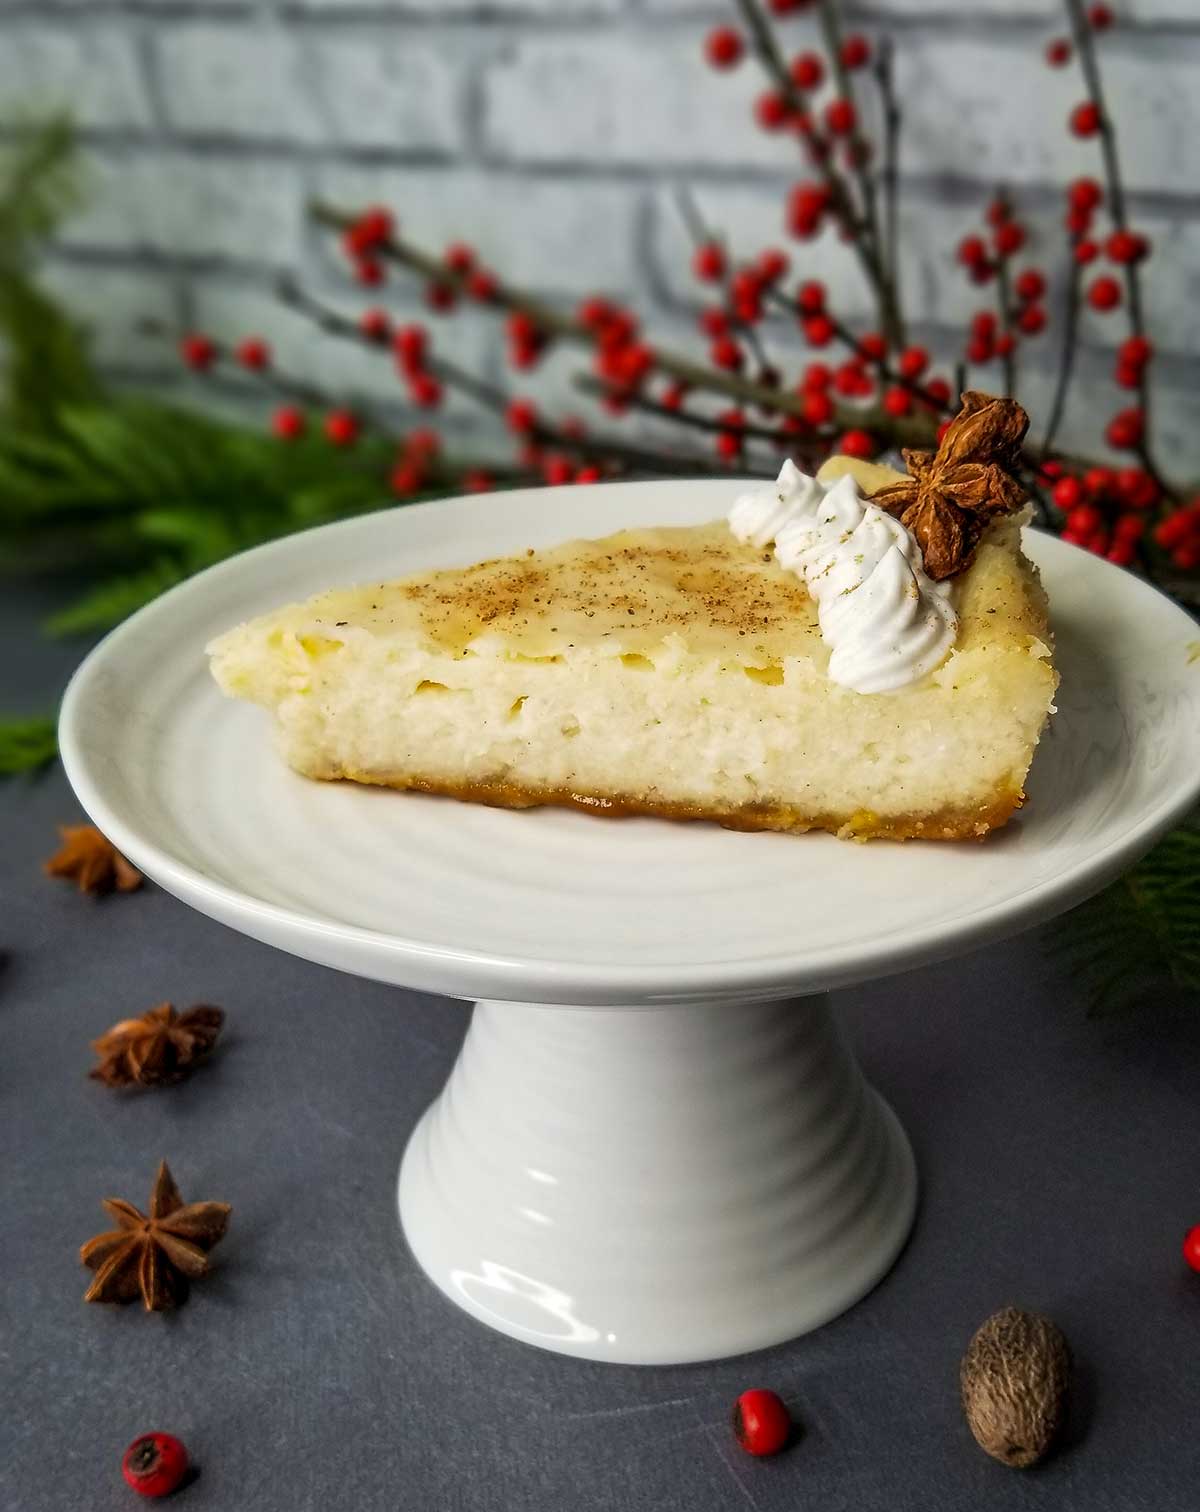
(952, 493)
(92, 861)
(156, 1256)
(160, 1046)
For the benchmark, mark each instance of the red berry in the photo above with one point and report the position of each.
(1086, 252)
(1052, 469)
(425, 391)
(477, 481)
(155, 1464)
(708, 262)
(1122, 552)
(373, 227)
(725, 353)
(1085, 520)
(728, 444)
(1030, 284)
(788, 7)
(557, 470)
(913, 361)
(1085, 119)
(1187, 556)
(1128, 377)
(1137, 488)
(1077, 222)
(897, 401)
(938, 390)
(375, 325)
(289, 423)
(982, 273)
(841, 117)
(1125, 246)
(369, 272)
(1100, 17)
(589, 474)
(761, 1422)
(810, 298)
(979, 350)
(856, 51)
(1129, 527)
(198, 352)
(254, 353)
(772, 265)
(1085, 194)
(849, 379)
(440, 296)
(410, 344)
(1135, 351)
(1125, 429)
(594, 311)
(1068, 492)
(818, 330)
(817, 376)
(1098, 481)
(873, 345)
(405, 478)
(521, 329)
(1009, 238)
(983, 324)
(1032, 319)
(771, 110)
(423, 443)
(341, 427)
(1058, 52)
(482, 284)
(972, 250)
(459, 257)
(1006, 343)
(1104, 293)
(723, 47)
(714, 321)
(807, 70)
(858, 443)
(817, 407)
(673, 396)
(522, 416)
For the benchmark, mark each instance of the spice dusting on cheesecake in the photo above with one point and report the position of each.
(690, 671)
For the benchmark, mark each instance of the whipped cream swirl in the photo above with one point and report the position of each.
(885, 622)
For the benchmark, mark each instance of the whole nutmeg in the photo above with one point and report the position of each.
(1014, 1379)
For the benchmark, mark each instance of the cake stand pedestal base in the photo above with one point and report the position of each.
(657, 1186)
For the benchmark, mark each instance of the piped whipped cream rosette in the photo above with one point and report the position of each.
(886, 623)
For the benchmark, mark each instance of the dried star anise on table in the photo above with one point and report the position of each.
(159, 1047)
(92, 860)
(156, 1256)
(954, 492)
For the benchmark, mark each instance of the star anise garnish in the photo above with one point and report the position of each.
(161, 1046)
(154, 1257)
(954, 492)
(93, 861)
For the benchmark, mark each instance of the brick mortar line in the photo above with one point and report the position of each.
(940, 24)
(925, 189)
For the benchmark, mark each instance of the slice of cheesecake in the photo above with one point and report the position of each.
(678, 672)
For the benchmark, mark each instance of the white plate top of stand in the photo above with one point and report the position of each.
(552, 906)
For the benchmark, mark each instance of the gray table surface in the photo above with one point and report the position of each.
(317, 1369)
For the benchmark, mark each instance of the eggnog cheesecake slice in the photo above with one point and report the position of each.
(790, 668)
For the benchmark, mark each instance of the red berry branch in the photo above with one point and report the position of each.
(858, 392)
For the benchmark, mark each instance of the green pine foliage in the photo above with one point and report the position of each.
(1143, 931)
(26, 745)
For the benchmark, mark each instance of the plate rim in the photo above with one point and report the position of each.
(480, 973)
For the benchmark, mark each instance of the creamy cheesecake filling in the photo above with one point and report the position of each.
(885, 622)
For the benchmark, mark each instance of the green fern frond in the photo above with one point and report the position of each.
(26, 745)
(1143, 929)
(115, 599)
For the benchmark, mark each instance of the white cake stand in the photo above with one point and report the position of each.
(656, 1146)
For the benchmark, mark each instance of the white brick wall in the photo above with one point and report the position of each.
(552, 134)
